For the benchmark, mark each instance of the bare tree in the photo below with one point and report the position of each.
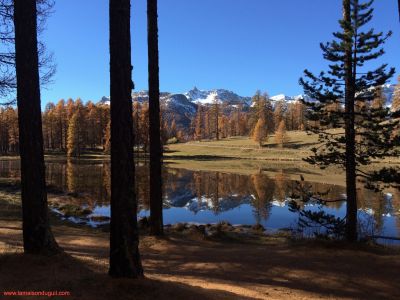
(7, 48)
(38, 238)
(124, 237)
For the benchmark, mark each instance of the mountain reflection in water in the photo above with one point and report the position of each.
(210, 197)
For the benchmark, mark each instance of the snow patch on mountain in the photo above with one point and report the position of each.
(208, 97)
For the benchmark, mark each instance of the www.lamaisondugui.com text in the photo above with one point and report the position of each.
(37, 293)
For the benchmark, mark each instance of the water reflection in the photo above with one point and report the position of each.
(209, 197)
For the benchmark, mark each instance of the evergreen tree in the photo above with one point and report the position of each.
(347, 83)
(37, 236)
(155, 124)
(124, 236)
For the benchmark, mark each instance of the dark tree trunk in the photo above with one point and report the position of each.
(156, 203)
(399, 8)
(351, 210)
(124, 237)
(38, 238)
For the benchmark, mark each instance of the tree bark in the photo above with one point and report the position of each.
(351, 210)
(156, 202)
(37, 236)
(124, 239)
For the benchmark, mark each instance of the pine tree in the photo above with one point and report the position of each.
(260, 132)
(344, 83)
(124, 237)
(156, 150)
(37, 236)
(281, 137)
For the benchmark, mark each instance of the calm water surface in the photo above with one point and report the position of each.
(211, 197)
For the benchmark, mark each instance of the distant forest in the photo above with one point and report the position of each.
(73, 127)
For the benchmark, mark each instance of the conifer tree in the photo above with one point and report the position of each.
(396, 97)
(156, 150)
(74, 141)
(107, 139)
(172, 130)
(198, 129)
(260, 132)
(279, 113)
(124, 236)
(281, 137)
(216, 115)
(37, 235)
(347, 82)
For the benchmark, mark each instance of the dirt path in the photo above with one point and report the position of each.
(178, 267)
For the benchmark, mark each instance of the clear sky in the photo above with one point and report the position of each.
(241, 45)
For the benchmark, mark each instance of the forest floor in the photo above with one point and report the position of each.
(184, 265)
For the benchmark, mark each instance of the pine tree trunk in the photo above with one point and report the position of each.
(156, 203)
(351, 210)
(399, 8)
(38, 238)
(124, 238)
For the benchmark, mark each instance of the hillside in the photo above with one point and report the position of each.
(183, 106)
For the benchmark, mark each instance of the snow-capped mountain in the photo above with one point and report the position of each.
(208, 97)
(183, 107)
(289, 99)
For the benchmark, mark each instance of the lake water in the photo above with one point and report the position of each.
(211, 197)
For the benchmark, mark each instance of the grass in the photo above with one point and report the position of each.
(296, 149)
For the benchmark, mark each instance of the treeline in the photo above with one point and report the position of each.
(261, 120)
(73, 127)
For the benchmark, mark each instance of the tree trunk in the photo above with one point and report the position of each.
(351, 210)
(38, 238)
(124, 237)
(156, 203)
(399, 8)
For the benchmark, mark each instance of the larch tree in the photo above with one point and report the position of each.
(396, 97)
(124, 236)
(172, 130)
(74, 135)
(216, 113)
(281, 137)
(260, 131)
(279, 113)
(198, 127)
(349, 83)
(37, 235)
(156, 151)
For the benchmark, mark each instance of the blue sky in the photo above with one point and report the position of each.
(241, 45)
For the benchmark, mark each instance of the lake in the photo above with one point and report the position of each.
(212, 197)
